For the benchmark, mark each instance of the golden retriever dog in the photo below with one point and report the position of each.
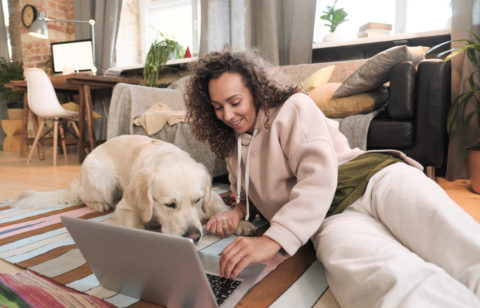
(151, 184)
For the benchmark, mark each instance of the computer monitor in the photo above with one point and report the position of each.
(75, 55)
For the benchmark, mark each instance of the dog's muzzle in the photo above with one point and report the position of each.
(153, 226)
(193, 233)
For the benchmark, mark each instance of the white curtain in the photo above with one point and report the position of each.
(106, 14)
(4, 54)
(3, 36)
(465, 18)
(281, 30)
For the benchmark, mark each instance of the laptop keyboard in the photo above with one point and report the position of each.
(222, 287)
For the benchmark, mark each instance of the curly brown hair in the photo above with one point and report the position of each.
(266, 94)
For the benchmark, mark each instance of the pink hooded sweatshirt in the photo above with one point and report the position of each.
(289, 171)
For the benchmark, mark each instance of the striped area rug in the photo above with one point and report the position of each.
(36, 240)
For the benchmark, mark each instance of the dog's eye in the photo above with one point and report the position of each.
(197, 200)
(171, 205)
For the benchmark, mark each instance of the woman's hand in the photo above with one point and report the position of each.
(243, 251)
(225, 223)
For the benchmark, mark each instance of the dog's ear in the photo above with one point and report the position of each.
(207, 195)
(212, 202)
(138, 194)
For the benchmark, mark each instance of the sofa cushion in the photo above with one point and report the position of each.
(388, 134)
(376, 70)
(401, 105)
(321, 76)
(334, 107)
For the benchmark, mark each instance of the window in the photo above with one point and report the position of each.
(406, 16)
(7, 22)
(176, 19)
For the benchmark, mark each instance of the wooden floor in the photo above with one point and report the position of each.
(16, 176)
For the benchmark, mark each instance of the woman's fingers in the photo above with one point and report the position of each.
(244, 262)
(222, 224)
(243, 251)
(229, 260)
(225, 229)
(232, 255)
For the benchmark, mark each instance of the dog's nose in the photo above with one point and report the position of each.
(193, 233)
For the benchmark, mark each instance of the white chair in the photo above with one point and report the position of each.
(43, 102)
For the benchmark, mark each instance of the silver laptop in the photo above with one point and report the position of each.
(159, 268)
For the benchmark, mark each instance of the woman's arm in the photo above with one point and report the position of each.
(307, 140)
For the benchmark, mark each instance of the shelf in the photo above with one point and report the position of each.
(367, 47)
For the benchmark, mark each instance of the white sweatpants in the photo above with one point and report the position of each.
(404, 243)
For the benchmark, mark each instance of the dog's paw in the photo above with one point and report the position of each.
(99, 206)
(245, 228)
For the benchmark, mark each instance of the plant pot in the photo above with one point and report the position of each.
(15, 113)
(474, 166)
(332, 37)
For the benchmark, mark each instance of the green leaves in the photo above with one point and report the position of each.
(10, 70)
(334, 17)
(471, 95)
(158, 55)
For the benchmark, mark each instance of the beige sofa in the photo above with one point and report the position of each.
(409, 115)
(131, 101)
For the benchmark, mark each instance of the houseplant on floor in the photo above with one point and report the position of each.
(158, 55)
(9, 100)
(334, 18)
(467, 105)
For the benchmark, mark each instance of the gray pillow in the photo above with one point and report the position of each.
(376, 70)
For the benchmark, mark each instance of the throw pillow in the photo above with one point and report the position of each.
(376, 70)
(71, 106)
(342, 107)
(319, 77)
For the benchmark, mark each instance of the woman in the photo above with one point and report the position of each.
(386, 234)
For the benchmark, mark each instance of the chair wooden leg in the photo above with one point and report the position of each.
(35, 119)
(35, 141)
(75, 128)
(62, 140)
(55, 140)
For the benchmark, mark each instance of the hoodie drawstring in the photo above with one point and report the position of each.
(247, 171)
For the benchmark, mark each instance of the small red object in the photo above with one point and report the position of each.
(187, 53)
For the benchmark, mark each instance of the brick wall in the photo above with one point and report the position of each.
(35, 52)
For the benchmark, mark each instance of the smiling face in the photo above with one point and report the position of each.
(233, 102)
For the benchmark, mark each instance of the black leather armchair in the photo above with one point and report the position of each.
(414, 121)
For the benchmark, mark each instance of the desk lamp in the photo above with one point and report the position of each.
(39, 29)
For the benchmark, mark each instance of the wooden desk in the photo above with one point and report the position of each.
(81, 83)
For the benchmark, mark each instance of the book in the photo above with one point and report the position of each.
(373, 33)
(375, 25)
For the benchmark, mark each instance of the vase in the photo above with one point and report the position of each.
(474, 166)
(332, 37)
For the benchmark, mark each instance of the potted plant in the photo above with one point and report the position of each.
(10, 100)
(158, 55)
(10, 70)
(334, 18)
(471, 154)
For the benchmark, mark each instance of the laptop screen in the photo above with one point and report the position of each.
(75, 55)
